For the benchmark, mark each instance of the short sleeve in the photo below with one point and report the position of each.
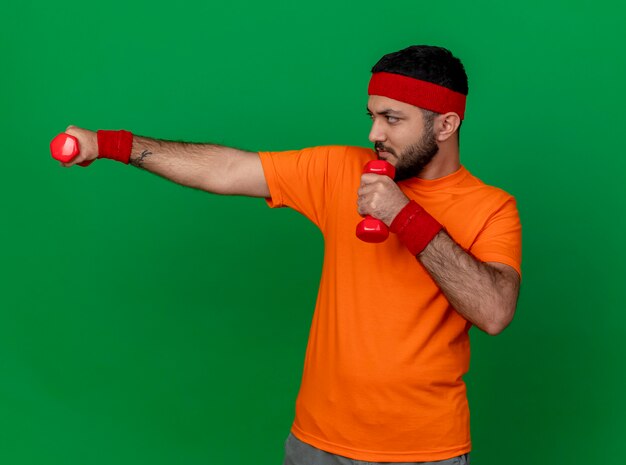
(500, 240)
(302, 179)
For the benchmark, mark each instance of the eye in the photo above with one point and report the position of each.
(390, 118)
(369, 115)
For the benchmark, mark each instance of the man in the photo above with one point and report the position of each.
(389, 342)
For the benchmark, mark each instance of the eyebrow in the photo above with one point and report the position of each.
(387, 111)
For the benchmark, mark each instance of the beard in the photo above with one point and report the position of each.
(415, 157)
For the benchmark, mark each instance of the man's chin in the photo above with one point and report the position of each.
(402, 173)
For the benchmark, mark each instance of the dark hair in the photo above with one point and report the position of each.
(428, 63)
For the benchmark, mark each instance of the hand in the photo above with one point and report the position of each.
(87, 143)
(380, 197)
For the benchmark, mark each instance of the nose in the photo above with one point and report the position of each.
(376, 133)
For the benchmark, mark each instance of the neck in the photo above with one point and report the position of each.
(446, 162)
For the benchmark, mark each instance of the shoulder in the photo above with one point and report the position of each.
(346, 152)
(484, 193)
(334, 152)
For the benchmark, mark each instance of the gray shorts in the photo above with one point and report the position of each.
(301, 453)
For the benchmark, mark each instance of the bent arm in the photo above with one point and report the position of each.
(485, 293)
(210, 167)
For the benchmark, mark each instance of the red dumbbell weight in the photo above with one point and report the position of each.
(64, 147)
(371, 229)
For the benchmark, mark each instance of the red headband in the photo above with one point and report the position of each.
(416, 92)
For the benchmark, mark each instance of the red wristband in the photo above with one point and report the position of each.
(415, 227)
(116, 145)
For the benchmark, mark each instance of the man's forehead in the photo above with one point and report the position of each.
(380, 104)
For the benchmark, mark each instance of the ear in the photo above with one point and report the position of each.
(446, 125)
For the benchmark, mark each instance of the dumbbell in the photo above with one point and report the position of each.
(371, 229)
(64, 147)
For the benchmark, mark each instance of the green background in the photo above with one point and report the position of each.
(143, 322)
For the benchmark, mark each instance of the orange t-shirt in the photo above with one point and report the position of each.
(384, 365)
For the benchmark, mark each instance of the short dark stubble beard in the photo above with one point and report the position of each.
(416, 156)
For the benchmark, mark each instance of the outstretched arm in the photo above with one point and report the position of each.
(210, 167)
